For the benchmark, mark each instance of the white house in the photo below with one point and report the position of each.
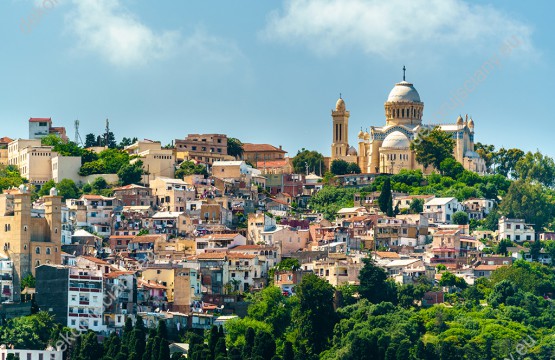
(441, 210)
(515, 230)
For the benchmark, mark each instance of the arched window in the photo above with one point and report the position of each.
(37, 250)
(37, 263)
(48, 251)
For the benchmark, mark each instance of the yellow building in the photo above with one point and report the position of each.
(156, 161)
(386, 149)
(29, 241)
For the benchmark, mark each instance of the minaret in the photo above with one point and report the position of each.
(340, 141)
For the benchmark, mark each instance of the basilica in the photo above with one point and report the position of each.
(386, 149)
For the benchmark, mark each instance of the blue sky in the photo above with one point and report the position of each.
(270, 72)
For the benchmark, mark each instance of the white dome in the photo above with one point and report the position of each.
(352, 151)
(403, 92)
(340, 105)
(396, 140)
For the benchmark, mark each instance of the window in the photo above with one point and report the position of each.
(37, 250)
(47, 251)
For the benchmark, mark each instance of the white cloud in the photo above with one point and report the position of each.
(107, 28)
(393, 27)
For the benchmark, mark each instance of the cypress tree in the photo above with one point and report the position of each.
(264, 346)
(220, 349)
(288, 353)
(249, 343)
(385, 200)
(213, 339)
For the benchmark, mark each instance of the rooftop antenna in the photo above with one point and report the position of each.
(77, 139)
(404, 70)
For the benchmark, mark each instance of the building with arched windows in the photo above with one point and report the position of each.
(386, 149)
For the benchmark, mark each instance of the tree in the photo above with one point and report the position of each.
(28, 282)
(67, 189)
(126, 142)
(311, 159)
(373, 282)
(449, 279)
(339, 167)
(45, 188)
(353, 168)
(131, 173)
(234, 148)
(451, 167)
(90, 140)
(264, 346)
(315, 316)
(288, 353)
(10, 177)
(190, 168)
(536, 167)
(99, 184)
(416, 206)
(460, 218)
(528, 201)
(506, 160)
(486, 152)
(385, 200)
(431, 147)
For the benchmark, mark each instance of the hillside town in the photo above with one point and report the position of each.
(207, 220)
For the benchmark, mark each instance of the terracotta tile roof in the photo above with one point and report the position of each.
(115, 274)
(145, 239)
(150, 285)
(272, 163)
(237, 255)
(387, 254)
(5, 140)
(248, 147)
(95, 260)
(40, 119)
(212, 255)
(121, 237)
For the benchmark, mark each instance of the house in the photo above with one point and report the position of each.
(485, 270)
(255, 153)
(446, 246)
(172, 194)
(404, 201)
(441, 210)
(478, 209)
(515, 230)
(219, 242)
(286, 280)
(134, 195)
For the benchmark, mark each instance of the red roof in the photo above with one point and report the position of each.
(40, 119)
(212, 255)
(130, 186)
(272, 163)
(95, 260)
(145, 238)
(247, 147)
(5, 140)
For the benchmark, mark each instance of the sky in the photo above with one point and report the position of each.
(270, 71)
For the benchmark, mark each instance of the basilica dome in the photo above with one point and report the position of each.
(403, 92)
(352, 151)
(396, 140)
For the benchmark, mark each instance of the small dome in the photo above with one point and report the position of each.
(396, 140)
(460, 120)
(340, 105)
(352, 151)
(366, 135)
(471, 123)
(360, 134)
(403, 92)
(53, 191)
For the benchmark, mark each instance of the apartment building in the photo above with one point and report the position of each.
(515, 230)
(204, 148)
(73, 295)
(41, 127)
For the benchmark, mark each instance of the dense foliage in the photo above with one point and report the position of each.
(311, 160)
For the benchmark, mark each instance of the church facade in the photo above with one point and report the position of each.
(386, 149)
